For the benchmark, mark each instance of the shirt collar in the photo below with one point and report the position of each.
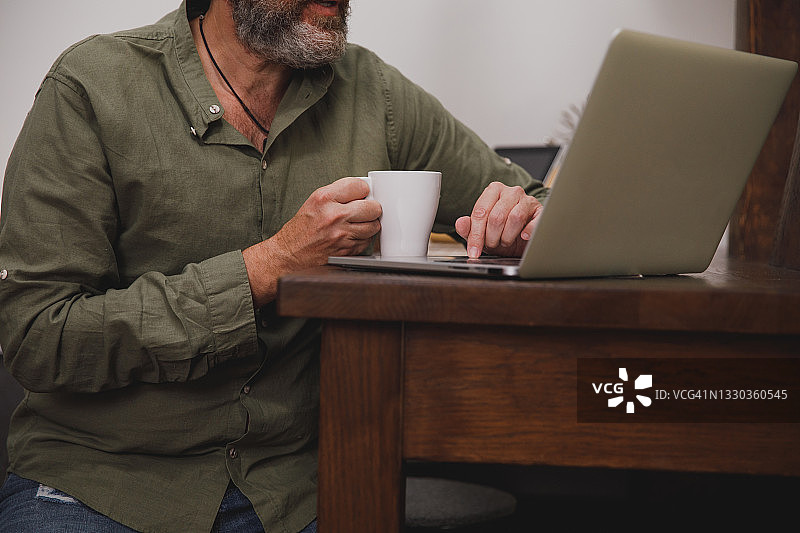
(307, 86)
(201, 112)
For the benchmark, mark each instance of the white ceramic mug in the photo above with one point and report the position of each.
(409, 199)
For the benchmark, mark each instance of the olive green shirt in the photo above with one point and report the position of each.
(125, 308)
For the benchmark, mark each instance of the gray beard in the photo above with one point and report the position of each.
(280, 36)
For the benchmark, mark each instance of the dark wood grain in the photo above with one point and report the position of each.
(730, 296)
(508, 395)
(361, 487)
(772, 28)
(473, 370)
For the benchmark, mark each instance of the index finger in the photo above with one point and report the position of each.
(479, 219)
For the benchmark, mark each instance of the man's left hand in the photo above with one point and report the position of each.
(501, 222)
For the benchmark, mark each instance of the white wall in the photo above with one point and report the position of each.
(507, 68)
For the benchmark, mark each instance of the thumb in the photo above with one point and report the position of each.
(463, 225)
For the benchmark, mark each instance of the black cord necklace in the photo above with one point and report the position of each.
(246, 109)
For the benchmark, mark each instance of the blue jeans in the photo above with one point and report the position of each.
(28, 507)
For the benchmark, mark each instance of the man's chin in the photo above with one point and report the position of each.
(313, 47)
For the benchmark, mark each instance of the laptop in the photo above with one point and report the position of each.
(667, 139)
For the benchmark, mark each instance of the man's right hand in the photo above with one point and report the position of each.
(335, 220)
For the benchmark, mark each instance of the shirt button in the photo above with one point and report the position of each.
(264, 165)
(233, 453)
(214, 109)
(3, 274)
(246, 389)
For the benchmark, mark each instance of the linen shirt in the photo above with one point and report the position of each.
(125, 308)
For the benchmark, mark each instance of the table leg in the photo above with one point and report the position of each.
(361, 484)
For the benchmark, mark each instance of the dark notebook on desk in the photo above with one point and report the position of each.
(666, 142)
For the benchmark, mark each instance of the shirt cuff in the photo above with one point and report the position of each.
(230, 306)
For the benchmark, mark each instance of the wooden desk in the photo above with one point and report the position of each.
(472, 370)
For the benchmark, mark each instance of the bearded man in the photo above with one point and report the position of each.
(164, 180)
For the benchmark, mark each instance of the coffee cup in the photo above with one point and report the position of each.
(409, 199)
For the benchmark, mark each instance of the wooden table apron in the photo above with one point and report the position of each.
(472, 370)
